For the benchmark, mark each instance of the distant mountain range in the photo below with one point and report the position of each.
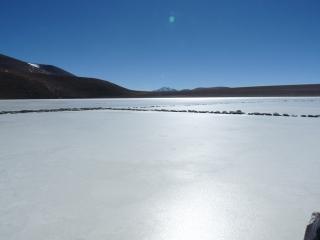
(23, 80)
(165, 89)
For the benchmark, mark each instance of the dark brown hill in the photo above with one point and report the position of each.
(19, 79)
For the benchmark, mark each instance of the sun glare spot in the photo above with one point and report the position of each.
(172, 19)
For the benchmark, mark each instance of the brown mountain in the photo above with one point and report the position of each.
(19, 79)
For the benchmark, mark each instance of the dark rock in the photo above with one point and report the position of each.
(239, 112)
(256, 113)
(313, 228)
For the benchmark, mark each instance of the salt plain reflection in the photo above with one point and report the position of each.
(150, 175)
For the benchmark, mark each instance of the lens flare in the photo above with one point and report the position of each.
(172, 19)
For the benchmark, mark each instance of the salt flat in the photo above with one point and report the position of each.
(153, 175)
(290, 105)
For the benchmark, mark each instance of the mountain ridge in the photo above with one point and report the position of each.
(23, 80)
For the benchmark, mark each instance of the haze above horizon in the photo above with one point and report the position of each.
(180, 44)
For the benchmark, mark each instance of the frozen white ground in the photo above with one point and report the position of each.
(152, 175)
(292, 105)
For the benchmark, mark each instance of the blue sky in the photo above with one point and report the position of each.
(182, 44)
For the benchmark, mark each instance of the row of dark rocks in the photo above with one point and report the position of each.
(52, 110)
(237, 112)
(272, 114)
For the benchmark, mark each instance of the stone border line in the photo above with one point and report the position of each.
(237, 112)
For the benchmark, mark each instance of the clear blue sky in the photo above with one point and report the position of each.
(179, 43)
